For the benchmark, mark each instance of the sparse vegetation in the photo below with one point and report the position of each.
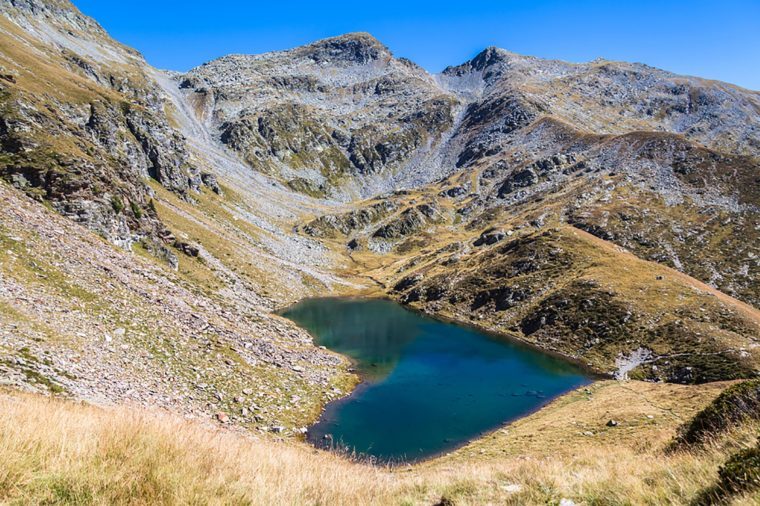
(136, 211)
(117, 204)
(739, 475)
(741, 472)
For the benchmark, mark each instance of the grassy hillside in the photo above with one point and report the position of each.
(525, 272)
(81, 317)
(57, 452)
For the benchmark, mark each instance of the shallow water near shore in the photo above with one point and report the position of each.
(428, 386)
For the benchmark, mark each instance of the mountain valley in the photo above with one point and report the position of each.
(155, 223)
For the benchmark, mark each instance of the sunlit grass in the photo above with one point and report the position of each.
(57, 452)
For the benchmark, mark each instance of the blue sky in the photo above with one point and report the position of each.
(715, 39)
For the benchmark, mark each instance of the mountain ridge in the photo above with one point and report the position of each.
(450, 83)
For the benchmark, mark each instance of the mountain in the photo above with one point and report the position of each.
(178, 313)
(481, 180)
(338, 118)
(153, 222)
(342, 118)
(82, 123)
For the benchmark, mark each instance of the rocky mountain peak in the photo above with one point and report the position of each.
(489, 57)
(352, 48)
(61, 12)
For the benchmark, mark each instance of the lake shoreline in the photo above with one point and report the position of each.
(535, 391)
(473, 325)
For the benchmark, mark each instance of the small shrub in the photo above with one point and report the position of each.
(117, 204)
(136, 210)
(741, 473)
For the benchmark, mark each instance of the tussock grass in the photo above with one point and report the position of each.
(62, 453)
(57, 452)
(734, 406)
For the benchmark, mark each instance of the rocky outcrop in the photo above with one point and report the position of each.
(352, 49)
(407, 222)
(352, 221)
(490, 237)
(88, 146)
(340, 117)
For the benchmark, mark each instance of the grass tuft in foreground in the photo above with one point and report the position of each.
(737, 404)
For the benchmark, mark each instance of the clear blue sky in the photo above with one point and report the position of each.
(718, 39)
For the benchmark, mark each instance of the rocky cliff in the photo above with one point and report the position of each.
(338, 118)
(83, 125)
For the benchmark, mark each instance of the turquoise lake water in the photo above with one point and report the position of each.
(429, 386)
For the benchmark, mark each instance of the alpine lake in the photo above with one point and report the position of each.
(427, 386)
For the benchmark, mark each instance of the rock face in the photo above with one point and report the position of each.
(600, 97)
(88, 142)
(340, 117)
(345, 224)
(408, 222)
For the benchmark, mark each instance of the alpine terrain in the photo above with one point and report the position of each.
(153, 224)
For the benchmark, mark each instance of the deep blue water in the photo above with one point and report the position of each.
(429, 386)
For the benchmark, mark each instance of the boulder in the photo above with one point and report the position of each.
(490, 237)
(188, 249)
(211, 182)
(520, 179)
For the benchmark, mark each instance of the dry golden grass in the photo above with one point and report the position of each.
(57, 452)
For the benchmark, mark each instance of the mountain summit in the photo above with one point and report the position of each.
(360, 48)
